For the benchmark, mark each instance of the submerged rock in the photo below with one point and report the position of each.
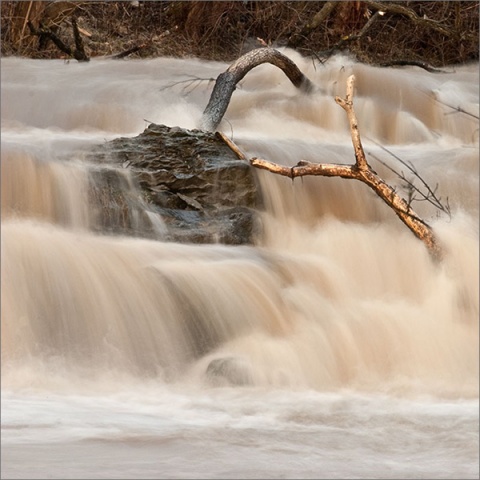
(192, 179)
(228, 371)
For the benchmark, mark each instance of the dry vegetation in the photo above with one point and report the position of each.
(437, 32)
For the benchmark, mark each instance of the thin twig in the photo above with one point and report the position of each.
(458, 110)
(27, 18)
(430, 196)
(191, 81)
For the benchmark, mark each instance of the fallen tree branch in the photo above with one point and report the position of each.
(79, 52)
(128, 52)
(457, 109)
(429, 195)
(413, 63)
(46, 33)
(232, 146)
(361, 171)
(407, 12)
(347, 104)
(226, 82)
(320, 17)
(137, 48)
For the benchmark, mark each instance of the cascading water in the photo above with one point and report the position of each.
(333, 347)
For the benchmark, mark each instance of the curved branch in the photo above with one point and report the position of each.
(226, 82)
(412, 63)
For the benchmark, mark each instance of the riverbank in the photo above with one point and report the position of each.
(436, 33)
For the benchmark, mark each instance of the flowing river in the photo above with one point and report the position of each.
(351, 353)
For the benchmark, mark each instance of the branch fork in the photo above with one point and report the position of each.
(360, 170)
(363, 172)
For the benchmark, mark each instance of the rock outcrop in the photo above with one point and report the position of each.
(192, 186)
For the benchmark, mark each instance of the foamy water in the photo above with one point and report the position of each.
(351, 354)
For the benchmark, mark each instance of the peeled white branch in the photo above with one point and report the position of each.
(361, 171)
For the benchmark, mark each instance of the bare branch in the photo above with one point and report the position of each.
(194, 80)
(407, 12)
(363, 172)
(232, 146)
(430, 195)
(305, 168)
(457, 109)
(413, 63)
(78, 52)
(347, 105)
(128, 52)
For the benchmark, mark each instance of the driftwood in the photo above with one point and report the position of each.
(226, 82)
(361, 171)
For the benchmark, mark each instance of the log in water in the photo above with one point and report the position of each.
(333, 347)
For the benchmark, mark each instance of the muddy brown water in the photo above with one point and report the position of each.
(331, 348)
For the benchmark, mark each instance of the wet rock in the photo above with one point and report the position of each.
(228, 371)
(115, 206)
(191, 178)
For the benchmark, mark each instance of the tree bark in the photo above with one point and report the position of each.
(226, 82)
(363, 172)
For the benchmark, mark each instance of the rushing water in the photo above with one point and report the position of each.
(351, 354)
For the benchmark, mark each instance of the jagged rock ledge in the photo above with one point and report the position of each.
(191, 178)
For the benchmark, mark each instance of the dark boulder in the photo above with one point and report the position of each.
(191, 178)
